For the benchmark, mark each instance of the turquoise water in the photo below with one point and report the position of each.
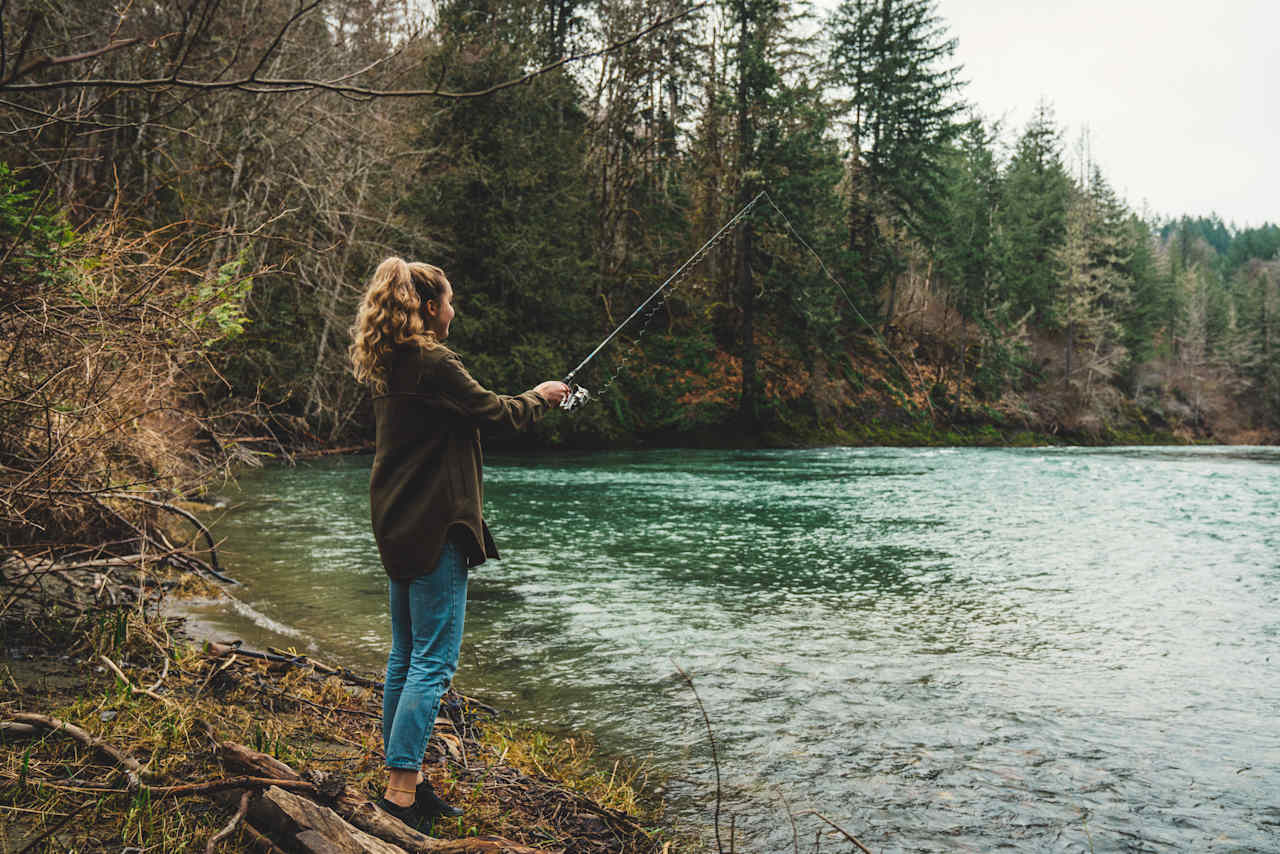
(940, 650)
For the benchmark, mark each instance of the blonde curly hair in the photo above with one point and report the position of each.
(391, 314)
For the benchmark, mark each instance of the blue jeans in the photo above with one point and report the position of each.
(426, 633)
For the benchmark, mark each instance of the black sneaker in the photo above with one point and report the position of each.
(411, 815)
(430, 804)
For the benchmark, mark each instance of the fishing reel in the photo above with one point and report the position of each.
(575, 398)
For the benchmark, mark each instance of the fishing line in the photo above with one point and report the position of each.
(580, 395)
(796, 234)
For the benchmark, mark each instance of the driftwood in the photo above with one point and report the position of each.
(221, 649)
(313, 829)
(354, 806)
(362, 448)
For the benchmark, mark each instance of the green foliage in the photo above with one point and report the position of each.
(1031, 220)
(217, 308)
(966, 236)
(1002, 364)
(902, 115)
(903, 109)
(33, 233)
(503, 205)
(557, 205)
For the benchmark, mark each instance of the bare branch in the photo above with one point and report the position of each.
(49, 61)
(271, 85)
(275, 43)
(231, 825)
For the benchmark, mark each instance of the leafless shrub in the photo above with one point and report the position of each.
(105, 356)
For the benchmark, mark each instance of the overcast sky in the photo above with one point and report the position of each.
(1181, 99)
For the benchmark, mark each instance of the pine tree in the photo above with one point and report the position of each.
(761, 104)
(894, 58)
(1092, 285)
(501, 202)
(966, 242)
(1032, 217)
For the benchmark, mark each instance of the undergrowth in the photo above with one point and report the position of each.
(173, 701)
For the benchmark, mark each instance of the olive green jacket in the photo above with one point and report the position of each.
(426, 483)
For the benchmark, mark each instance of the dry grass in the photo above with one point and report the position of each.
(173, 701)
(105, 359)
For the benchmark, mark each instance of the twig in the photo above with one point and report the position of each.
(230, 661)
(231, 825)
(219, 649)
(132, 770)
(715, 760)
(207, 787)
(115, 668)
(795, 832)
(846, 834)
(186, 514)
(164, 671)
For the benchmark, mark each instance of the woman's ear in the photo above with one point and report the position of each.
(433, 307)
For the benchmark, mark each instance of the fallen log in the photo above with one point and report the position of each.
(312, 828)
(354, 806)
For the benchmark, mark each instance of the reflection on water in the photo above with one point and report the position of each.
(940, 649)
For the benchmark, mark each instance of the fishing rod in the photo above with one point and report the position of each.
(580, 395)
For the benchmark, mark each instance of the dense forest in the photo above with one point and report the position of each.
(194, 194)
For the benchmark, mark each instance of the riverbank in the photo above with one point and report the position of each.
(875, 402)
(123, 732)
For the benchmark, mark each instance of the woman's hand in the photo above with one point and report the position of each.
(554, 391)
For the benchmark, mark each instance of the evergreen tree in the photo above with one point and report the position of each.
(1032, 218)
(894, 58)
(757, 28)
(1146, 318)
(966, 243)
(1092, 284)
(502, 205)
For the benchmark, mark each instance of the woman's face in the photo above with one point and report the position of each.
(440, 313)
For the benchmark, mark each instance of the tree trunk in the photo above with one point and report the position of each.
(313, 406)
(1071, 332)
(311, 828)
(749, 405)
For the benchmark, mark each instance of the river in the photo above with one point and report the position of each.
(1054, 649)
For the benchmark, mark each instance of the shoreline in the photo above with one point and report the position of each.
(94, 655)
(889, 433)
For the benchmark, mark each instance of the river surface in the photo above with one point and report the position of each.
(939, 650)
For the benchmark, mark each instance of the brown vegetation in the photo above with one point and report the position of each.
(101, 400)
(131, 737)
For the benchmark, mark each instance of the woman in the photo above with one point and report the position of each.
(426, 496)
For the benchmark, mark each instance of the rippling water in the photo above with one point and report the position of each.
(940, 650)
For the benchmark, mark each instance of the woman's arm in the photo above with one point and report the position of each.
(489, 409)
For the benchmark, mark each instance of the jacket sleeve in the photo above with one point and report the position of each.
(483, 408)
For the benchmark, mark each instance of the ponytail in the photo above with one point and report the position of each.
(390, 315)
